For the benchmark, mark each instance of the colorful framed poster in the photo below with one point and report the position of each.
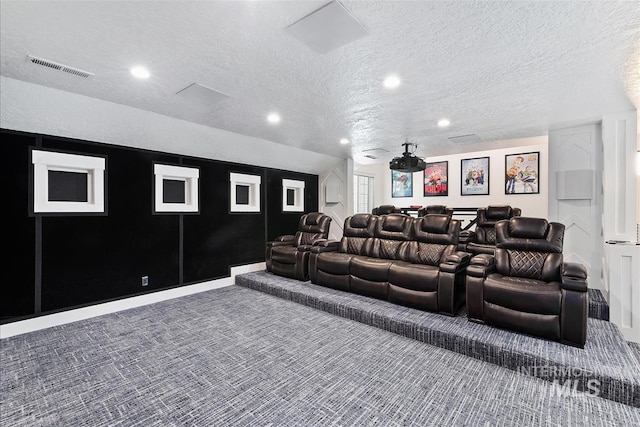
(401, 184)
(435, 179)
(522, 173)
(474, 176)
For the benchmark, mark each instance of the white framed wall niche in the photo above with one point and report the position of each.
(176, 189)
(67, 183)
(244, 192)
(292, 195)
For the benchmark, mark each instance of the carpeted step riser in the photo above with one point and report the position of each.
(615, 389)
(598, 306)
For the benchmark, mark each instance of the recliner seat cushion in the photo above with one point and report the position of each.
(334, 262)
(417, 277)
(542, 325)
(522, 294)
(368, 268)
(284, 254)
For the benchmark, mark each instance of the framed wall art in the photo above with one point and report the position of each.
(401, 184)
(474, 176)
(522, 173)
(435, 179)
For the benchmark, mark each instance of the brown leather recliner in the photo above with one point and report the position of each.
(385, 210)
(526, 286)
(435, 209)
(395, 257)
(288, 255)
(483, 239)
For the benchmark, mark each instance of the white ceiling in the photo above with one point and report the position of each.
(501, 70)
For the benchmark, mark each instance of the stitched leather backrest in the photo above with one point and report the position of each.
(315, 222)
(392, 231)
(312, 226)
(487, 219)
(394, 226)
(429, 253)
(529, 247)
(357, 229)
(436, 228)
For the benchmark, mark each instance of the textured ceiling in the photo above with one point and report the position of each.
(500, 70)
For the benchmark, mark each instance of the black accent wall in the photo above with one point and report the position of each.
(57, 262)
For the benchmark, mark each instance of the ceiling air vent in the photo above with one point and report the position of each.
(59, 67)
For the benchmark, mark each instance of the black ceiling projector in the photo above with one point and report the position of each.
(407, 162)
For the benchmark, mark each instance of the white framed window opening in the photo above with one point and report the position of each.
(88, 171)
(186, 175)
(363, 193)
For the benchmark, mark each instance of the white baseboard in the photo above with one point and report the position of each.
(56, 319)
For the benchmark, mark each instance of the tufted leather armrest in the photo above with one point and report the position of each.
(574, 277)
(324, 245)
(481, 265)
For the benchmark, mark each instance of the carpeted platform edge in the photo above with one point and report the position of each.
(598, 306)
(616, 389)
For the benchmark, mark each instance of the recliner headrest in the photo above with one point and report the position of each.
(529, 234)
(528, 228)
(386, 209)
(312, 218)
(435, 223)
(393, 222)
(314, 222)
(498, 212)
(394, 226)
(360, 225)
(359, 220)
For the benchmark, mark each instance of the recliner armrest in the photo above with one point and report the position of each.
(574, 277)
(458, 257)
(286, 240)
(466, 236)
(323, 245)
(455, 262)
(481, 265)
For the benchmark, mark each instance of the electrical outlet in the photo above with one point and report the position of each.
(145, 280)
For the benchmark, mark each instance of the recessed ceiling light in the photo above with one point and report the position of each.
(140, 72)
(273, 118)
(391, 82)
(344, 141)
(443, 123)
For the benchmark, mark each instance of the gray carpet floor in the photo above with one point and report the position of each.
(606, 357)
(238, 357)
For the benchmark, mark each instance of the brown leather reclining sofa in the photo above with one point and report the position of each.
(405, 260)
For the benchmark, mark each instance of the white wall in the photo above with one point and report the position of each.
(39, 109)
(534, 205)
(378, 173)
(340, 179)
(575, 195)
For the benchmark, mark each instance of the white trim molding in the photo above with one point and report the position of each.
(251, 181)
(93, 167)
(56, 319)
(298, 198)
(190, 177)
